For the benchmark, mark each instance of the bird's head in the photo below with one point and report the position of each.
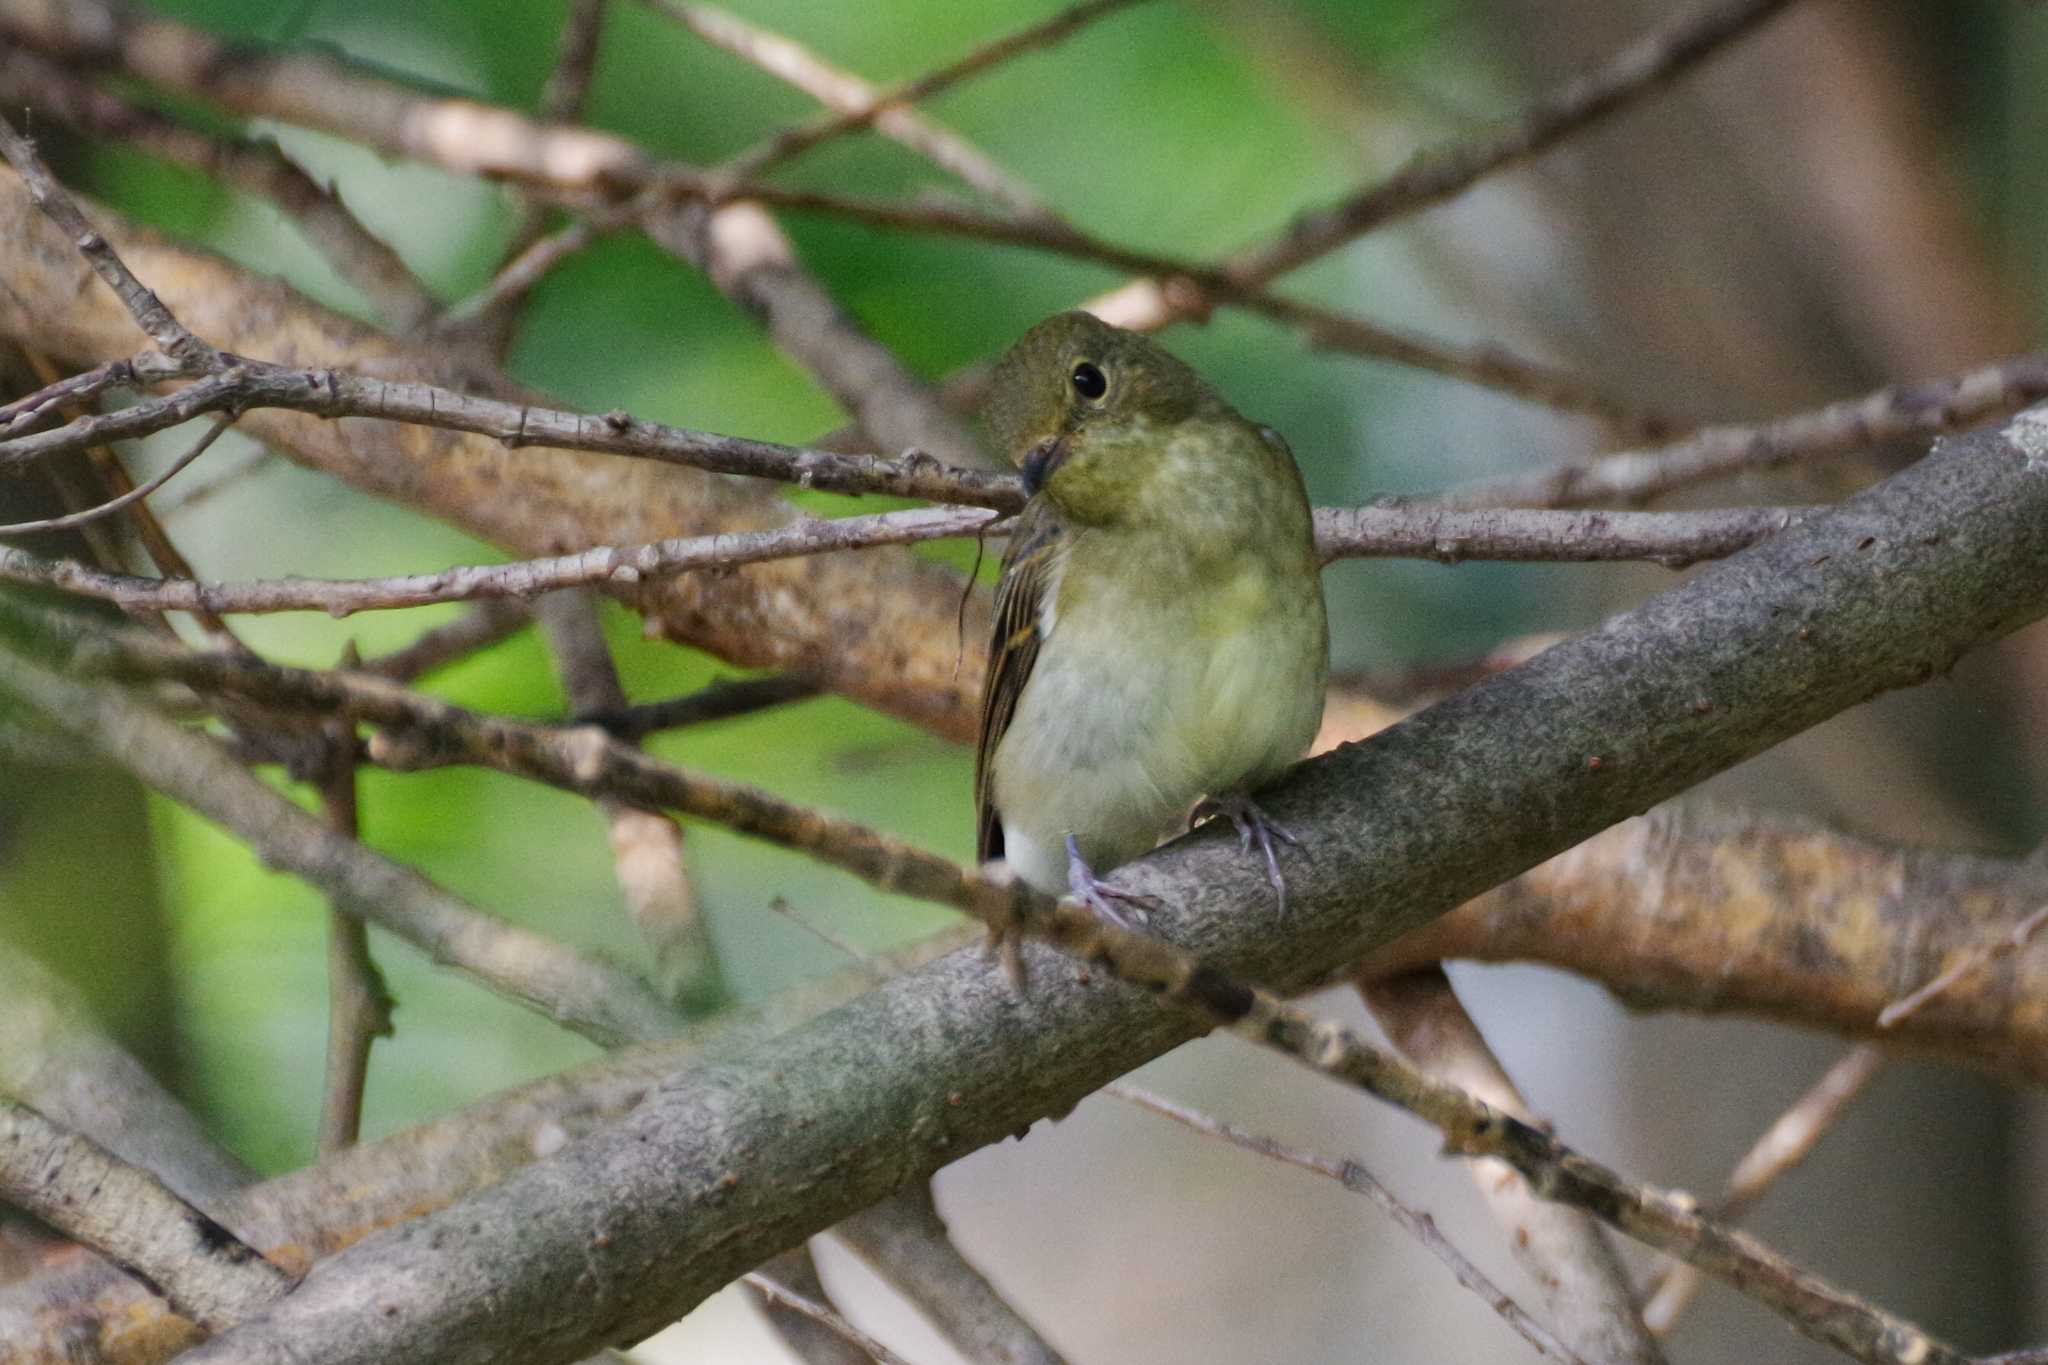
(1088, 410)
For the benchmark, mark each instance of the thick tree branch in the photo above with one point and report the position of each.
(299, 1217)
(1776, 916)
(726, 1164)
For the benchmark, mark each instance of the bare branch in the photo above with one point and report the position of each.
(132, 1218)
(1901, 410)
(522, 579)
(789, 60)
(1768, 915)
(1673, 539)
(358, 1005)
(783, 146)
(581, 992)
(819, 1313)
(1355, 1178)
(1785, 1144)
(907, 1242)
(143, 306)
(1584, 1290)
(257, 168)
(647, 846)
(1431, 177)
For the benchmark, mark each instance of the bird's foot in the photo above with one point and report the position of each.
(1253, 825)
(1100, 896)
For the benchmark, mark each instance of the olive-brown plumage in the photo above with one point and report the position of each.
(1159, 633)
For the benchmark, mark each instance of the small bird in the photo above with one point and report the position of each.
(1159, 627)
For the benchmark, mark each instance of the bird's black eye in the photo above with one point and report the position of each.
(1089, 381)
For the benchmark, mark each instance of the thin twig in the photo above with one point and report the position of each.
(647, 845)
(1354, 1177)
(483, 625)
(788, 60)
(255, 167)
(189, 499)
(123, 1212)
(1789, 1140)
(1442, 173)
(132, 495)
(720, 700)
(521, 579)
(582, 992)
(1896, 411)
(358, 1004)
(1967, 965)
(819, 1313)
(1585, 1293)
(790, 142)
(155, 320)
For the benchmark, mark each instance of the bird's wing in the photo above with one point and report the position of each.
(1013, 649)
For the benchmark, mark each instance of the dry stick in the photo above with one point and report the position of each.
(483, 625)
(1670, 539)
(811, 1341)
(589, 762)
(1902, 410)
(1970, 963)
(1438, 174)
(647, 846)
(358, 1004)
(523, 579)
(133, 1219)
(257, 168)
(720, 700)
(562, 98)
(791, 142)
(904, 1239)
(581, 992)
(1786, 1143)
(819, 1313)
(1354, 1177)
(788, 60)
(135, 493)
(1586, 1295)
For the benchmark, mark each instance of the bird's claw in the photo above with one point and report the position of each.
(1098, 895)
(1253, 826)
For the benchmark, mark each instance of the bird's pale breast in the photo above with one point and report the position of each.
(1120, 730)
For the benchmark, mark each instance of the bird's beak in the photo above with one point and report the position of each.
(1040, 461)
